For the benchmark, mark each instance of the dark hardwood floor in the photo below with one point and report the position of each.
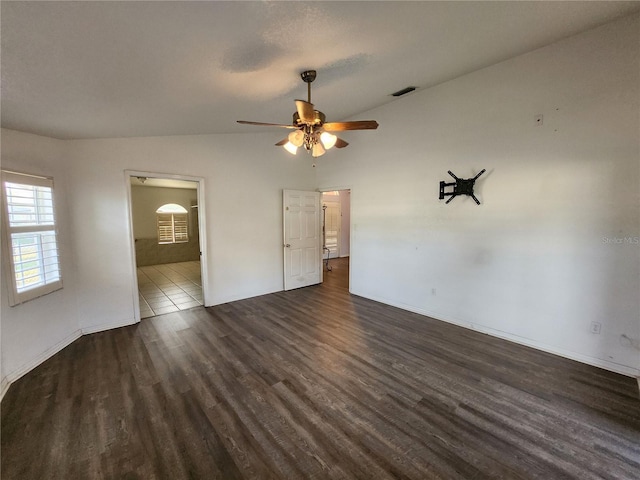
(315, 384)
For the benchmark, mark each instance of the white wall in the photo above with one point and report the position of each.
(531, 263)
(243, 180)
(35, 330)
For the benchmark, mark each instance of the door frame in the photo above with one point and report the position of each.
(202, 231)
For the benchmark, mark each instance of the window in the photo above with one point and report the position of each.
(173, 224)
(30, 236)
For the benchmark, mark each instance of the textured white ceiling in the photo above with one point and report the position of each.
(123, 69)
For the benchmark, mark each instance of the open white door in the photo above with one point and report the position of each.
(302, 242)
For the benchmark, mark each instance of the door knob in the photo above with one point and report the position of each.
(287, 245)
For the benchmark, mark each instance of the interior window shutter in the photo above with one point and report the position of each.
(180, 228)
(30, 226)
(165, 228)
(173, 228)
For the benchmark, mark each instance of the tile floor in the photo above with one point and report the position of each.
(169, 288)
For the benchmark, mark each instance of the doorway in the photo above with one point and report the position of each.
(166, 226)
(336, 225)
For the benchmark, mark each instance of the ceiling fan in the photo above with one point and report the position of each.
(309, 127)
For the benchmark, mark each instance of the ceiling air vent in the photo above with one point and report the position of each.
(404, 91)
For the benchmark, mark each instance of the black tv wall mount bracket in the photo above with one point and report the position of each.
(461, 186)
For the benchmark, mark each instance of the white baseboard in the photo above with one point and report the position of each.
(44, 356)
(108, 326)
(244, 296)
(596, 362)
(4, 386)
(50, 352)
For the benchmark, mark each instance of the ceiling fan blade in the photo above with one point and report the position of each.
(357, 125)
(262, 124)
(341, 143)
(305, 111)
(282, 142)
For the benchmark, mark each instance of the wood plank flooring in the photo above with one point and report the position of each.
(315, 384)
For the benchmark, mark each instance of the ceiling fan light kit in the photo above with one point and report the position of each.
(328, 140)
(311, 130)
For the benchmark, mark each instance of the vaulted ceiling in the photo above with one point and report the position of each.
(123, 69)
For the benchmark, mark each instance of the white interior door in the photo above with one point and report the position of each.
(302, 242)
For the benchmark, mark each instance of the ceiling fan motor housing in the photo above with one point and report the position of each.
(319, 119)
(308, 76)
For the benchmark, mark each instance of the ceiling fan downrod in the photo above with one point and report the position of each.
(308, 76)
